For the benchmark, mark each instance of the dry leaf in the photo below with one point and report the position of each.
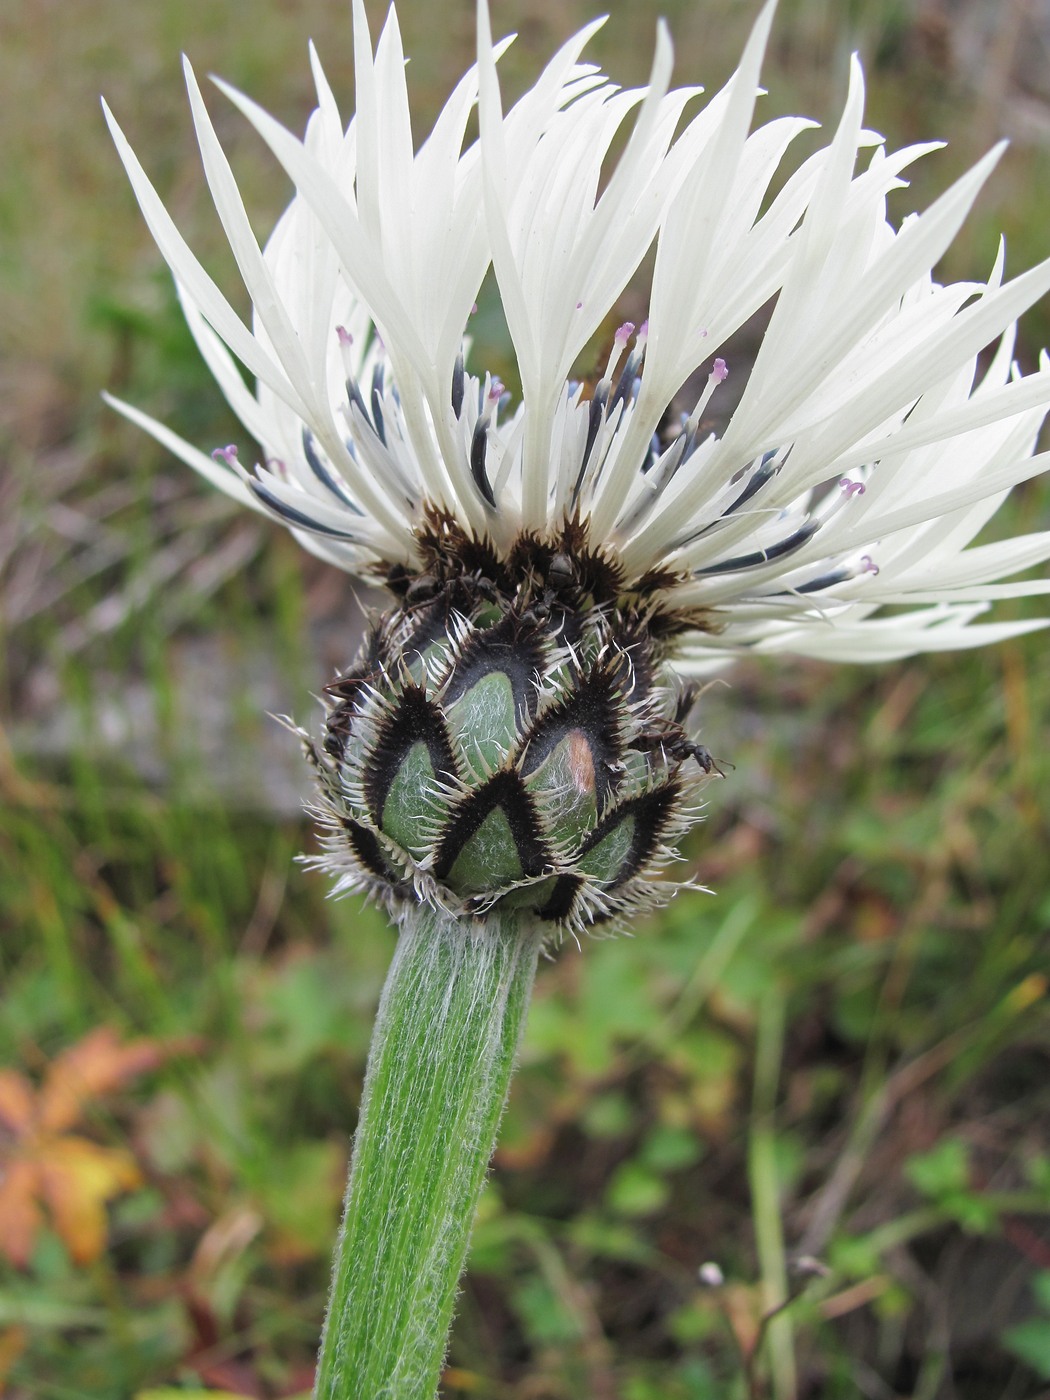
(43, 1164)
(95, 1066)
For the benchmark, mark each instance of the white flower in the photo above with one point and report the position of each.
(864, 456)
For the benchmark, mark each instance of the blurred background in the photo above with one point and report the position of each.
(830, 1080)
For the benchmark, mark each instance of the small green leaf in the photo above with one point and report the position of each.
(1030, 1342)
(635, 1190)
(942, 1171)
(1041, 1289)
(608, 1115)
(548, 1322)
(1037, 1170)
(853, 1256)
(669, 1149)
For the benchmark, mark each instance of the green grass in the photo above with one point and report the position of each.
(878, 853)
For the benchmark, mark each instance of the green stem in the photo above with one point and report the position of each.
(442, 1055)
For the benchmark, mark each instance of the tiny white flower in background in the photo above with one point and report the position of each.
(866, 451)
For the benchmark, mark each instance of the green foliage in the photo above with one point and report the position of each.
(1031, 1340)
(943, 1176)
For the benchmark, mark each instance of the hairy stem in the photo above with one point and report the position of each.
(442, 1055)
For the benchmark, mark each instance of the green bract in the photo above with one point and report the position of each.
(523, 750)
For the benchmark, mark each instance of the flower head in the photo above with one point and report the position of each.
(602, 527)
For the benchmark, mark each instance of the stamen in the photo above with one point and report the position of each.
(762, 556)
(765, 471)
(768, 467)
(851, 488)
(619, 345)
(825, 581)
(670, 461)
(297, 517)
(594, 422)
(718, 375)
(629, 384)
(324, 476)
(866, 565)
(227, 454)
(459, 381)
(353, 393)
(346, 351)
(478, 451)
(377, 403)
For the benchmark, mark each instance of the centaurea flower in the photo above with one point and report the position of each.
(511, 748)
(863, 457)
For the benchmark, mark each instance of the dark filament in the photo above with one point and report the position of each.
(377, 403)
(324, 476)
(762, 556)
(478, 448)
(594, 422)
(297, 517)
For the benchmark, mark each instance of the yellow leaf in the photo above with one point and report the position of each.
(78, 1178)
